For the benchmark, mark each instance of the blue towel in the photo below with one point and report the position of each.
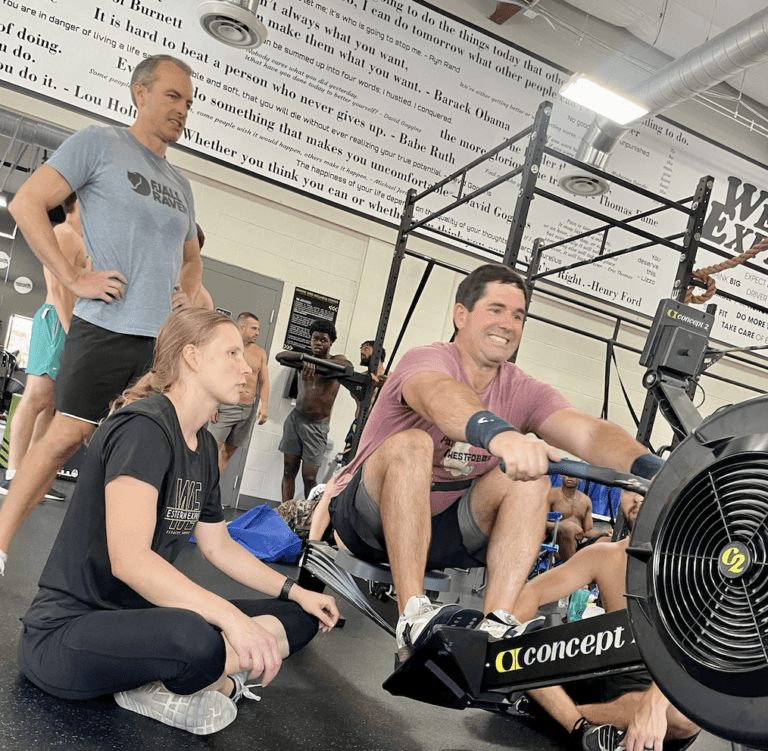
(262, 532)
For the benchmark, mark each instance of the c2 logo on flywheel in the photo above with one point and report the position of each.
(734, 560)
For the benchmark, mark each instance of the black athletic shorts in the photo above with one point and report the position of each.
(96, 366)
(457, 541)
(599, 690)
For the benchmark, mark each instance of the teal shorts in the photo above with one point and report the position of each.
(46, 343)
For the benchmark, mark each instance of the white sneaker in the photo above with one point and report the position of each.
(203, 713)
(3, 559)
(420, 617)
(243, 690)
(503, 625)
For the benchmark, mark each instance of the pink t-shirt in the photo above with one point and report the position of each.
(513, 395)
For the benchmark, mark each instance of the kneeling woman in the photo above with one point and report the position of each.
(112, 614)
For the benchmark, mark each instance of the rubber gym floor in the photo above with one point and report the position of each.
(329, 696)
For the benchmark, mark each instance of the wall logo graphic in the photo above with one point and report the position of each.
(139, 183)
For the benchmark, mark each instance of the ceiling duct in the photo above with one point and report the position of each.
(22, 130)
(731, 52)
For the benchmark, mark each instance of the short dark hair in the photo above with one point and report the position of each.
(200, 236)
(244, 316)
(69, 203)
(144, 72)
(373, 344)
(324, 327)
(472, 288)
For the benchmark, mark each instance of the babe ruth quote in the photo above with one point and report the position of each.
(356, 101)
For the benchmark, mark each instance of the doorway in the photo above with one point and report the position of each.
(234, 291)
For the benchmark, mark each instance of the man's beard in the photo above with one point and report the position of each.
(365, 361)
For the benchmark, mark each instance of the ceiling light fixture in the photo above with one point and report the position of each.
(602, 100)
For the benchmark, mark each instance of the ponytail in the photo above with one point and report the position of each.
(186, 326)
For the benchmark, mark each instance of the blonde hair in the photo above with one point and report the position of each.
(187, 326)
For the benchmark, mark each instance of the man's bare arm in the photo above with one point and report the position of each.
(263, 388)
(595, 441)
(588, 525)
(73, 248)
(190, 276)
(43, 190)
(449, 404)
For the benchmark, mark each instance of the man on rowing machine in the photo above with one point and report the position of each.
(628, 702)
(425, 488)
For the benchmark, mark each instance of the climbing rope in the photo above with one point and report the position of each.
(703, 275)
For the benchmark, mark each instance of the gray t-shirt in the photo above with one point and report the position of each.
(137, 212)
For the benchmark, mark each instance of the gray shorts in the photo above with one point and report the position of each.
(457, 540)
(235, 424)
(304, 437)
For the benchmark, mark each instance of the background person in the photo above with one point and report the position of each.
(138, 219)
(50, 325)
(113, 615)
(629, 702)
(231, 425)
(305, 430)
(575, 529)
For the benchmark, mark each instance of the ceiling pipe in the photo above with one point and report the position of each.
(729, 53)
(48, 137)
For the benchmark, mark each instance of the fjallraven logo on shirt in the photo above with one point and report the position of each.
(160, 193)
(139, 183)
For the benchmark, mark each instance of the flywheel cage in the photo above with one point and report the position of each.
(713, 604)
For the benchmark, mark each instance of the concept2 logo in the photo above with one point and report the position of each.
(687, 319)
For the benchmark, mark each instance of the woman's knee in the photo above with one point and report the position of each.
(199, 650)
(300, 628)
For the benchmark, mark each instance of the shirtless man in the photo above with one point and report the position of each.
(231, 425)
(49, 328)
(575, 529)
(628, 702)
(305, 432)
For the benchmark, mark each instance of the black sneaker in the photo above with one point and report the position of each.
(4, 485)
(524, 706)
(587, 737)
(54, 495)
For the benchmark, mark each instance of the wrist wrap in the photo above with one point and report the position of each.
(483, 426)
(646, 465)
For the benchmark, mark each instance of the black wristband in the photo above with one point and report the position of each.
(646, 465)
(483, 426)
(286, 587)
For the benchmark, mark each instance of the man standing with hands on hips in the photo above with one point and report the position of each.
(138, 220)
